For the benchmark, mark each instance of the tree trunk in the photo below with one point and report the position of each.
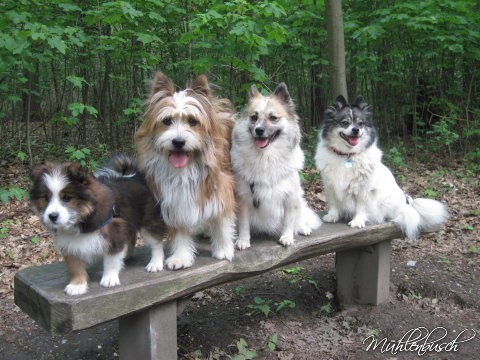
(336, 47)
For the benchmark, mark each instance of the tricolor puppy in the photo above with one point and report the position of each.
(357, 185)
(183, 148)
(97, 216)
(266, 159)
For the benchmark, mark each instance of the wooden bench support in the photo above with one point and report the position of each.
(363, 275)
(150, 334)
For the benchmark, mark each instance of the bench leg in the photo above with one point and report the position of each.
(363, 275)
(150, 334)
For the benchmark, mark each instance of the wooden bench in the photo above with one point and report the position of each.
(147, 304)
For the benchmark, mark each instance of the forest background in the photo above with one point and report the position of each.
(74, 74)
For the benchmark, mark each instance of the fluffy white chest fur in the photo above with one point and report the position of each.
(365, 178)
(86, 246)
(366, 191)
(266, 178)
(180, 196)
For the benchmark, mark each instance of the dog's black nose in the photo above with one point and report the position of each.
(178, 142)
(355, 131)
(260, 130)
(53, 216)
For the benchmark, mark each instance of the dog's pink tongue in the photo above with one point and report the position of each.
(352, 140)
(178, 159)
(261, 143)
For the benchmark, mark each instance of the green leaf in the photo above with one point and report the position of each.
(272, 342)
(69, 7)
(473, 249)
(21, 156)
(57, 43)
(35, 240)
(76, 81)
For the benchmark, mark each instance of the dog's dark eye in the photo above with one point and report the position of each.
(167, 121)
(360, 123)
(273, 118)
(254, 118)
(66, 198)
(345, 123)
(192, 122)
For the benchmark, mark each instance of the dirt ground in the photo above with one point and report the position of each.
(435, 283)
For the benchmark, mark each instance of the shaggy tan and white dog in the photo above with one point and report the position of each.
(183, 148)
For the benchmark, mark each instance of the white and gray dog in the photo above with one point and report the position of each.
(266, 160)
(357, 185)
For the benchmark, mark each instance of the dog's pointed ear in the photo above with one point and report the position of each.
(162, 82)
(281, 92)
(360, 103)
(78, 173)
(200, 85)
(340, 102)
(253, 92)
(37, 171)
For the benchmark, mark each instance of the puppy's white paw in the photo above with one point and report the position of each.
(304, 230)
(110, 280)
(180, 260)
(331, 218)
(154, 266)
(242, 243)
(287, 239)
(224, 252)
(76, 289)
(358, 222)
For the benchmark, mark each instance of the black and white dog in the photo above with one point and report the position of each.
(358, 187)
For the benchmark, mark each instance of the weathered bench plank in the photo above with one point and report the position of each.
(39, 290)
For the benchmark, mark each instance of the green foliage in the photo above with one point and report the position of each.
(413, 296)
(289, 304)
(244, 352)
(272, 342)
(4, 232)
(82, 66)
(263, 306)
(430, 193)
(260, 305)
(10, 193)
(325, 310)
(239, 291)
(35, 240)
(395, 156)
(473, 250)
(296, 274)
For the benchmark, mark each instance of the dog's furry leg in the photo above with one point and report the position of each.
(78, 276)
(243, 241)
(223, 233)
(183, 251)
(307, 220)
(360, 217)
(291, 207)
(112, 264)
(158, 256)
(333, 214)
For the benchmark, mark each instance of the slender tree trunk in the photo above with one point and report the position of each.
(28, 119)
(336, 47)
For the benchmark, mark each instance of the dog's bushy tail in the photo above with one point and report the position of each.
(120, 165)
(420, 214)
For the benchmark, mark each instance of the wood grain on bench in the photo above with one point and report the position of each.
(39, 290)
